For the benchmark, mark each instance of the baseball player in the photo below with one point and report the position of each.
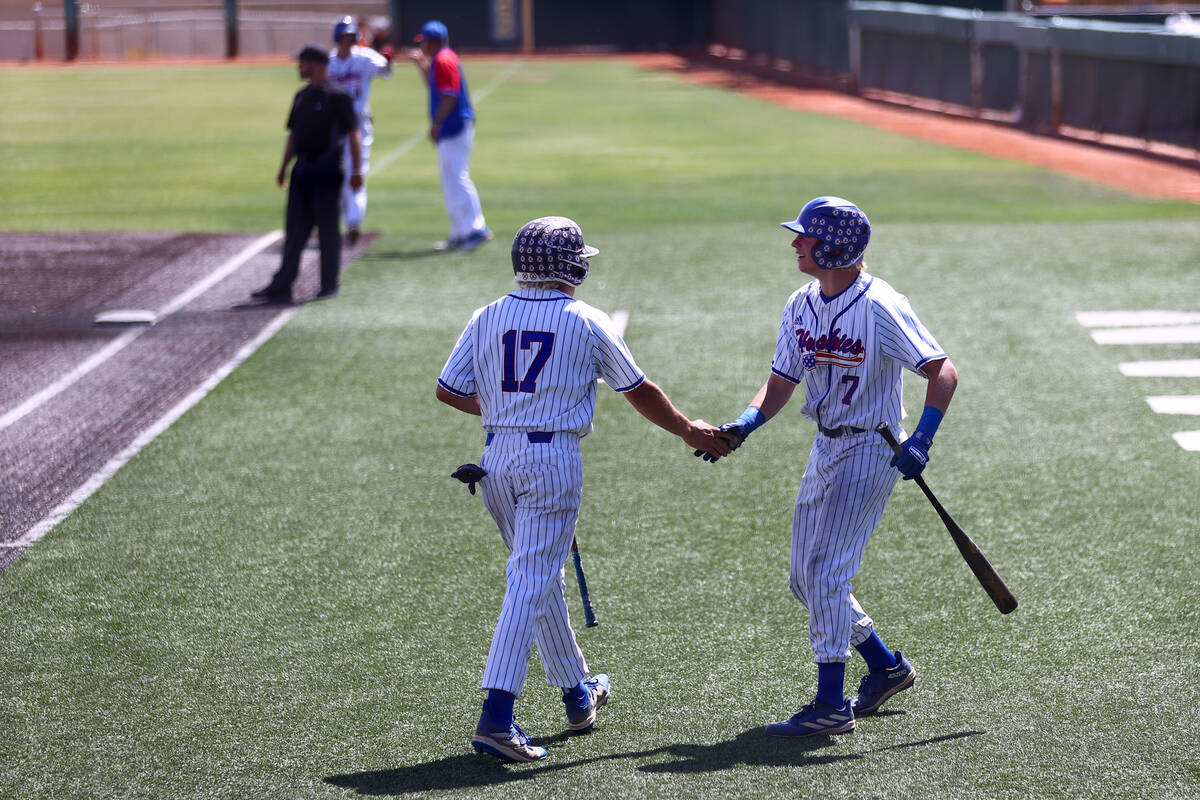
(528, 363)
(452, 128)
(351, 69)
(846, 335)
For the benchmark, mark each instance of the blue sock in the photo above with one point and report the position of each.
(576, 695)
(831, 683)
(498, 710)
(876, 653)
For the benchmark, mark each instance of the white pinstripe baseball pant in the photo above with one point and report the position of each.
(533, 492)
(846, 485)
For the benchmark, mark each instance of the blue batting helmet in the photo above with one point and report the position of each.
(551, 249)
(344, 26)
(842, 227)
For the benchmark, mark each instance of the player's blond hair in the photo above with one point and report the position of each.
(536, 284)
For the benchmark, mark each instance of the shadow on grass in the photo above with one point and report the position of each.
(755, 748)
(751, 748)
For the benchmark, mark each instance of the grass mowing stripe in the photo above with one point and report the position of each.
(97, 480)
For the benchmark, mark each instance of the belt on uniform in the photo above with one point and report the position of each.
(535, 437)
(834, 433)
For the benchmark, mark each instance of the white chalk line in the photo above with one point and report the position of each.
(1154, 327)
(1188, 440)
(1127, 319)
(619, 320)
(1175, 404)
(1160, 334)
(1182, 368)
(98, 479)
(411, 142)
(121, 342)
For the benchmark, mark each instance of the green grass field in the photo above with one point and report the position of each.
(285, 596)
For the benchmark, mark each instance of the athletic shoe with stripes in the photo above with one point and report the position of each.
(816, 718)
(474, 239)
(511, 745)
(582, 719)
(878, 685)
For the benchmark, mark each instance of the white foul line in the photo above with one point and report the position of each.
(411, 142)
(98, 479)
(248, 252)
(118, 344)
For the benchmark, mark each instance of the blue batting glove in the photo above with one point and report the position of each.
(913, 456)
(740, 428)
(914, 453)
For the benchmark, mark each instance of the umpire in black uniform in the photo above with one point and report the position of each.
(322, 117)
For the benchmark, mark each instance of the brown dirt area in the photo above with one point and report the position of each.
(1130, 172)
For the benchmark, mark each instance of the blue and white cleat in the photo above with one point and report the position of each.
(582, 718)
(511, 745)
(878, 685)
(474, 239)
(814, 719)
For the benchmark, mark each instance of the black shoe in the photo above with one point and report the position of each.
(273, 296)
(326, 293)
(352, 236)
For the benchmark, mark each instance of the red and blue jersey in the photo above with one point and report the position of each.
(446, 78)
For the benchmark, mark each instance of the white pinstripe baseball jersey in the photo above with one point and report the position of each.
(849, 350)
(533, 358)
(353, 75)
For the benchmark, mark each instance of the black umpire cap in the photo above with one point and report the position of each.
(310, 52)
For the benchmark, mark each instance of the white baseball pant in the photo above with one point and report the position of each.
(533, 493)
(845, 487)
(462, 201)
(353, 204)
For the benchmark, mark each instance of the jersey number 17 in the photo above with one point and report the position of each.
(527, 384)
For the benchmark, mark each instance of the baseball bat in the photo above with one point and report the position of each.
(985, 573)
(589, 615)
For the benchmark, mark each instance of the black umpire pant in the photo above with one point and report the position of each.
(312, 200)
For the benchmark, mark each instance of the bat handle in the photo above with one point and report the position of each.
(885, 430)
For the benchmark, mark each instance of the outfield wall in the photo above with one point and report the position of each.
(1136, 84)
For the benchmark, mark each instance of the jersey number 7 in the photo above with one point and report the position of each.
(545, 340)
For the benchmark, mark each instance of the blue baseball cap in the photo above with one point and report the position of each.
(433, 30)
